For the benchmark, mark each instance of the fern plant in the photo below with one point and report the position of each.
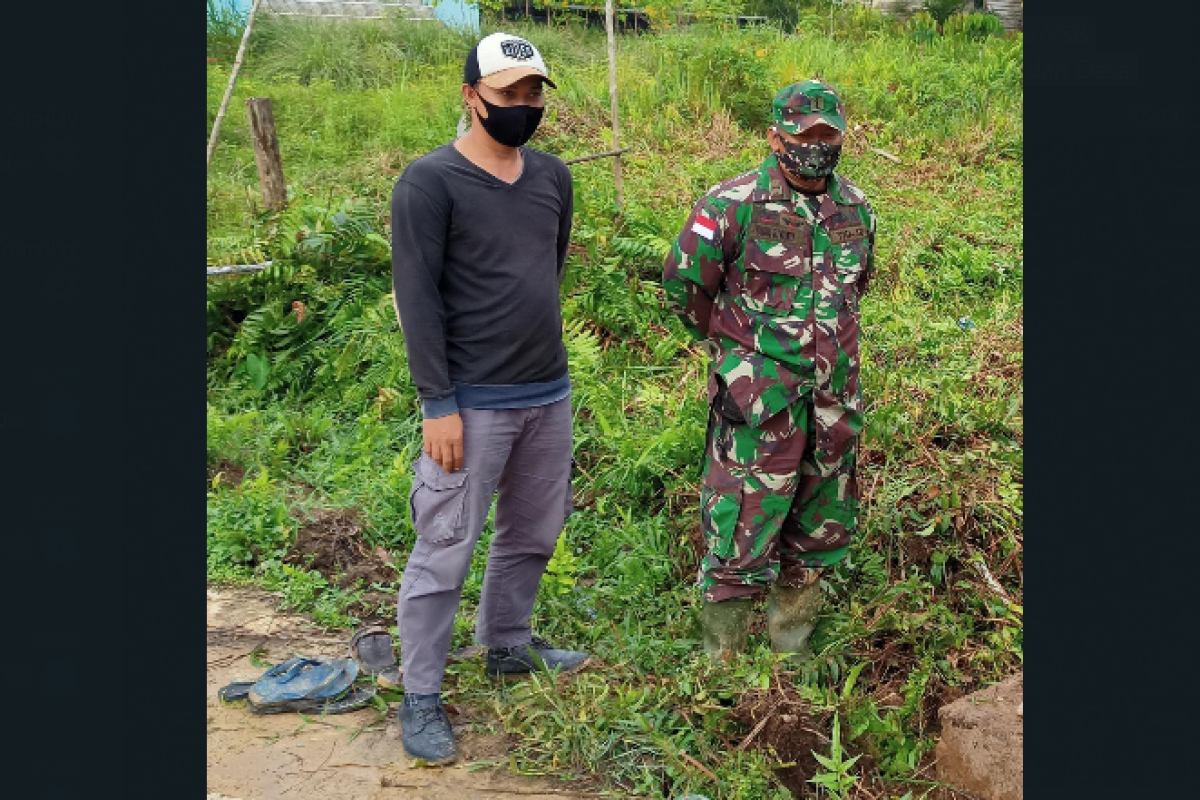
(327, 236)
(320, 319)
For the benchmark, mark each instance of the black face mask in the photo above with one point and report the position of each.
(511, 126)
(810, 160)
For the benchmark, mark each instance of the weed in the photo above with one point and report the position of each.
(836, 780)
(251, 527)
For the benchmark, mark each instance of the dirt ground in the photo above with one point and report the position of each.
(354, 756)
(330, 541)
(779, 721)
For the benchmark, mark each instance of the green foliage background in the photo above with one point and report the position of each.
(309, 393)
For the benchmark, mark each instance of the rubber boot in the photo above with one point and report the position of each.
(726, 626)
(791, 617)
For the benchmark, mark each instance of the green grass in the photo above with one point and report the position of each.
(321, 413)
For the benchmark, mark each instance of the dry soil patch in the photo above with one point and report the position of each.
(353, 756)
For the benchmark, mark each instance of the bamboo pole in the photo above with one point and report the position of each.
(237, 65)
(857, 131)
(612, 92)
(594, 156)
(238, 269)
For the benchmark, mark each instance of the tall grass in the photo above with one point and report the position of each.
(355, 55)
(356, 101)
(225, 25)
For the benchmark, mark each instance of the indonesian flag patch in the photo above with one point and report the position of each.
(704, 227)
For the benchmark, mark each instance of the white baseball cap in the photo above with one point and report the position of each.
(502, 59)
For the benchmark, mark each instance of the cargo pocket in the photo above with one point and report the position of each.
(719, 513)
(438, 501)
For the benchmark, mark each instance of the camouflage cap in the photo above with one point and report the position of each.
(806, 103)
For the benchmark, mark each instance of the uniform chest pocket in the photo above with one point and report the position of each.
(777, 257)
(849, 248)
(849, 260)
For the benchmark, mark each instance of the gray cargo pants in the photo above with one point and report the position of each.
(524, 456)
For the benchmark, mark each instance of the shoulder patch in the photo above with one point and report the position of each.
(702, 226)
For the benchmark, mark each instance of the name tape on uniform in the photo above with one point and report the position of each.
(778, 226)
(848, 234)
(776, 233)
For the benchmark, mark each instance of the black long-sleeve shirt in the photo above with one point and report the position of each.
(476, 268)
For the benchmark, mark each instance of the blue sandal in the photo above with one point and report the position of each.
(302, 684)
(354, 699)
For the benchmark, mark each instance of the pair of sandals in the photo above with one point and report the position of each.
(322, 685)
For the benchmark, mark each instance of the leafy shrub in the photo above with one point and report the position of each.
(247, 526)
(921, 27)
(941, 10)
(975, 27)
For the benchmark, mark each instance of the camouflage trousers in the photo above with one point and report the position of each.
(780, 501)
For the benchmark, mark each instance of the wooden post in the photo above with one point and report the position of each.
(266, 151)
(612, 93)
(237, 65)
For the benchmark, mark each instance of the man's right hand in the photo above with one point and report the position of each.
(444, 441)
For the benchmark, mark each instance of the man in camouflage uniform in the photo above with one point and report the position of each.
(769, 270)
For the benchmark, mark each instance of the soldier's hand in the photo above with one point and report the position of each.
(444, 441)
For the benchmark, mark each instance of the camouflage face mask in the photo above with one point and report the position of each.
(810, 160)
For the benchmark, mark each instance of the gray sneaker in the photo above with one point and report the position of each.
(538, 654)
(425, 729)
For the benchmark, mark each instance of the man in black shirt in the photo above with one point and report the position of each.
(480, 229)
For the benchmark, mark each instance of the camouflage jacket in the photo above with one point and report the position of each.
(774, 277)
